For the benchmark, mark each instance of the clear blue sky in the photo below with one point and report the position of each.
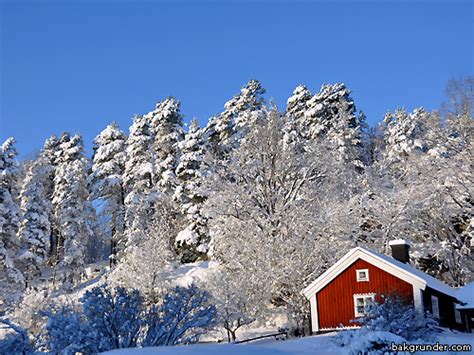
(79, 65)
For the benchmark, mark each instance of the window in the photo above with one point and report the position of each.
(361, 301)
(435, 306)
(457, 316)
(362, 275)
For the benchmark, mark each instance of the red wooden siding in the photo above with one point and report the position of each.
(336, 300)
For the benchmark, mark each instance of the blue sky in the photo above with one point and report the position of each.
(78, 65)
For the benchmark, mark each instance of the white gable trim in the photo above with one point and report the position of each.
(371, 258)
(314, 314)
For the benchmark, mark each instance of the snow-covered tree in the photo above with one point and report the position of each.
(48, 156)
(403, 134)
(226, 129)
(35, 229)
(263, 212)
(9, 212)
(138, 181)
(236, 305)
(166, 123)
(297, 104)
(145, 260)
(106, 181)
(331, 114)
(72, 207)
(192, 242)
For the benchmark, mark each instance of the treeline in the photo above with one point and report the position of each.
(275, 197)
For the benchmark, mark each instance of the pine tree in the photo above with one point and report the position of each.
(225, 130)
(138, 181)
(331, 114)
(9, 211)
(166, 123)
(297, 104)
(106, 180)
(403, 134)
(35, 229)
(48, 155)
(192, 241)
(72, 207)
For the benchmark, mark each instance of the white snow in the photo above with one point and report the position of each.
(321, 344)
(466, 295)
(315, 345)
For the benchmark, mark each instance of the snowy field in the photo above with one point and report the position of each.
(318, 344)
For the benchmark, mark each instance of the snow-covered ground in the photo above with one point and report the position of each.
(308, 345)
(318, 344)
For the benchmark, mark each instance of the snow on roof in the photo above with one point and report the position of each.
(401, 270)
(466, 295)
(399, 242)
(431, 282)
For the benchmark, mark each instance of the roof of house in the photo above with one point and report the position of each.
(403, 271)
(466, 295)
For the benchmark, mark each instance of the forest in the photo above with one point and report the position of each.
(265, 199)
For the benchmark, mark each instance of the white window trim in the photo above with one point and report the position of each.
(435, 310)
(361, 295)
(366, 273)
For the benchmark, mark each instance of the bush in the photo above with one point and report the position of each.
(391, 321)
(16, 341)
(119, 318)
(398, 317)
(365, 341)
(183, 316)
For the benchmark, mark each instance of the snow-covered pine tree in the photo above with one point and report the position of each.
(35, 229)
(403, 134)
(106, 180)
(72, 207)
(331, 114)
(9, 214)
(48, 156)
(297, 104)
(166, 126)
(192, 242)
(226, 129)
(138, 181)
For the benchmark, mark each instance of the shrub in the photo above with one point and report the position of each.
(16, 341)
(398, 317)
(391, 321)
(119, 318)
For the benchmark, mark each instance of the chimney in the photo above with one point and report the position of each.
(400, 250)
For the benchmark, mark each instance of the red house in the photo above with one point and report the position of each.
(340, 294)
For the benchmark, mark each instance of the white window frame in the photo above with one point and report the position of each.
(359, 271)
(367, 297)
(457, 316)
(435, 306)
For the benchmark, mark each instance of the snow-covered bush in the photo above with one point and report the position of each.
(67, 332)
(120, 318)
(391, 321)
(114, 316)
(16, 341)
(398, 317)
(184, 315)
(366, 341)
